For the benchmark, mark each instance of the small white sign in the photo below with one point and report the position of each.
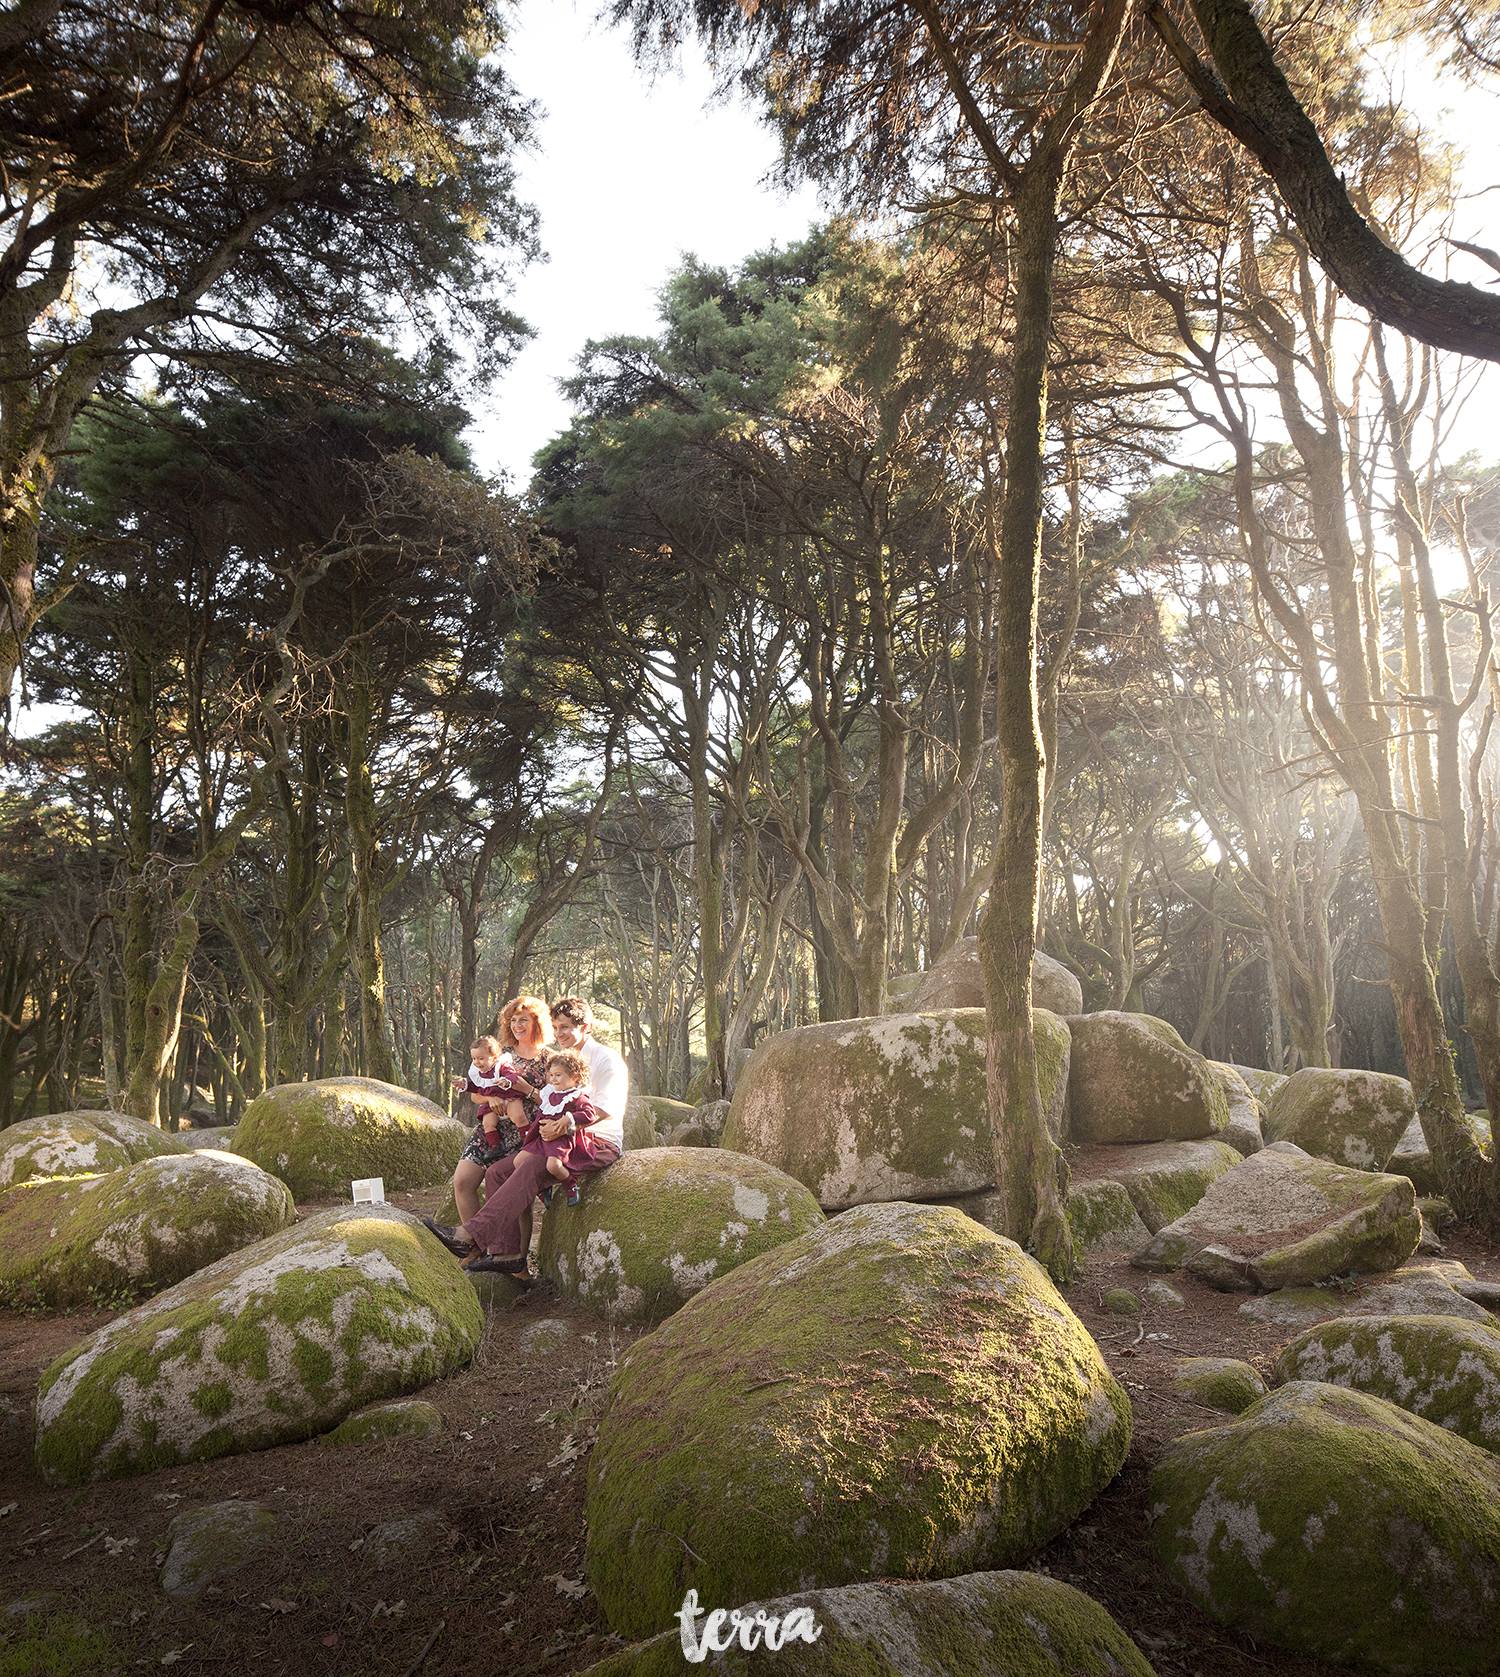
(370, 1190)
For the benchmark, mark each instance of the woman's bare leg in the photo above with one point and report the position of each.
(466, 1180)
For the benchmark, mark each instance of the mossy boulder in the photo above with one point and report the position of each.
(78, 1144)
(1243, 1132)
(272, 1345)
(897, 1393)
(956, 980)
(1283, 1219)
(1334, 1523)
(1219, 1382)
(640, 1124)
(138, 1228)
(410, 1418)
(1164, 1179)
(1418, 1288)
(319, 1137)
(1442, 1368)
(212, 1542)
(867, 1110)
(1103, 1218)
(1263, 1084)
(660, 1224)
(1133, 1079)
(988, 1624)
(1354, 1118)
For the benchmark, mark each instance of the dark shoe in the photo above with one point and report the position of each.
(573, 1194)
(547, 1198)
(457, 1242)
(515, 1268)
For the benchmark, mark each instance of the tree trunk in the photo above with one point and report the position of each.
(163, 1022)
(366, 885)
(1027, 1164)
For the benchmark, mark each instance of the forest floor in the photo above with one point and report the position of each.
(492, 1581)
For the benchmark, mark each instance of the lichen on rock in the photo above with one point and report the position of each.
(1443, 1368)
(272, 1345)
(987, 1624)
(319, 1137)
(1334, 1523)
(139, 1227)
(77, 1144)
(897, 1393)
(895, 1108)
(662, 1223)
(1103, 1217)
(408, 1418)
(1165, 1179)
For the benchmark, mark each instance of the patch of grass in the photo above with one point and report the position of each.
(53, 1645)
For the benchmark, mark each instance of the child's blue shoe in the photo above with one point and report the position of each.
(573, 1194)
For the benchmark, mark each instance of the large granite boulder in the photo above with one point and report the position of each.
(1133, 1079)
(276, 1343)
(319, 1137)
(1219, 1383)
(897, 1393)
(955, 980)
(1165, 1179)
(1354, 1118)
(1442, 1368)
(882, 1109)
(1336, 1524)
(1284, 1219)
(138, 1228)
(988, 1624)
(1421, 1287)
(1243, 1132)
(78, 1144)
(640, 1124)
(655, 1228)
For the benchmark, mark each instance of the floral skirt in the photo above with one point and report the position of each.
(507, 1141)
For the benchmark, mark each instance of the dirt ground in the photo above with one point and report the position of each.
(494, 1582)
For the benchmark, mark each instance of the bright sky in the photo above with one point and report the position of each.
(630, 176)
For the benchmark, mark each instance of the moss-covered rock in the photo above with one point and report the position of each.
(1120, 1301)
(1133, 1079)
(320, 1137)
(1103, 1217)
(1442, 1368)
(1283, 1219)
(138, 1228)
(956, 980)
(1419, 1288)
(274, 1344)
(216, 1140)
(410, 1418)
(1334, 1523)
(882, 1109)
(654, 1228)
(212, 1542)
(1220, 1382)
(1263, 1084)
(1165, 1179)
(1243, 1132)
(666, 1113)
(640, 1124)
(1413, 1157)
(897, 1393)
(77, 1144)
(1354, 1118)
(988, 1624)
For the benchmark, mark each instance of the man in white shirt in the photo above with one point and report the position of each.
(609, 1076)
